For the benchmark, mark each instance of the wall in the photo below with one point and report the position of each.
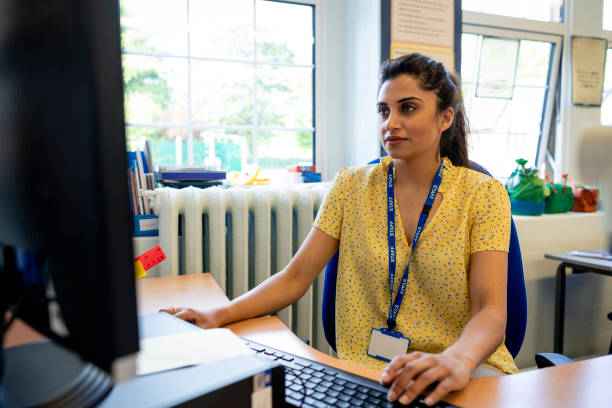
(349, 51)
(588, 300)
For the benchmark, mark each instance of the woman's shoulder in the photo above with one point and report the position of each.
(471, 182)
(363, 175)
(474, 178)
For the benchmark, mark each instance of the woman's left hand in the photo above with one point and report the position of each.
(411, 374)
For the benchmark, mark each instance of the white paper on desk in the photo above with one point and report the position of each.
(190, 348)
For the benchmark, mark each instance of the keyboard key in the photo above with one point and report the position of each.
(363, 389)
(330, 400)
(328, 377)
(256, 348)
(296, 388)
(351, 385)
(322, 389)
(344, 397)
(326, 384)
(308, 371)
(287, 358)
(357, 403)
(293, 401)
(349, 392)
(361, 395)
(318, 395)
(339, 381)
(342, 404)
(369, 405)
(316, 380)
(332, 393)
(317, 367)
(337, 387)
(376, 394)
(310, 384)
(303, 363)
(330, 371)
(289, 365)
(318, 374)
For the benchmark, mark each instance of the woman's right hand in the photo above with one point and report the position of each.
(206, 319)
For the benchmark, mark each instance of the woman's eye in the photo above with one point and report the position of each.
(407, 108)
(383, 111)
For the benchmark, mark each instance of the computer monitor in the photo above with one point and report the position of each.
(66, 264)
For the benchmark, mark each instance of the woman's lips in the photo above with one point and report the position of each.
(392, 140)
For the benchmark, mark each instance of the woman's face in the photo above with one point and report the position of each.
(409, 121)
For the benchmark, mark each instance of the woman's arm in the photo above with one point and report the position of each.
(410, 374)
(276, 292)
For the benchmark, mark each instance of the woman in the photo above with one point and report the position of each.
(458, 220)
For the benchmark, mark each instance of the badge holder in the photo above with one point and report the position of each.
(386, 344)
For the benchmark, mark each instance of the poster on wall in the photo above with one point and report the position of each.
(425, 26)
(588, 61)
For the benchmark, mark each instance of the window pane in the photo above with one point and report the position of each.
(497, 152)
(469, 56)
(276, 150)
(221, 29)
(526, 110)
(284, 96)
(155, 89)
(607, 15)
(167, 145)
(534, 57)
(506, 129)
(156, 26)
(542, 10)
(284, 32)
(229, 149)
(606, 106)
(222, 93)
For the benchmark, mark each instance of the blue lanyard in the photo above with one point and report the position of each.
(394, 306)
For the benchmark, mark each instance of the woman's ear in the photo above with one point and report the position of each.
(446, 119)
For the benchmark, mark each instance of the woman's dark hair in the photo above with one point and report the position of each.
(433, 76)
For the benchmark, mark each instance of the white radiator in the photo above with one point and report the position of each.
(242, 235)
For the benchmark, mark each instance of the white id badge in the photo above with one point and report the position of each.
(386, 344)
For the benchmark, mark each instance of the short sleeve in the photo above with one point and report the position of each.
(331, 213)
(490, 218)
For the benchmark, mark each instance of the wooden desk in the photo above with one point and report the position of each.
(585, 383)
(578, 264)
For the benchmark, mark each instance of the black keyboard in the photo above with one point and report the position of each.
(314, 385)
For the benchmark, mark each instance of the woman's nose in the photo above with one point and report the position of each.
(391, 122)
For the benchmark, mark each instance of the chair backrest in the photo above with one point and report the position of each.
(516, 321)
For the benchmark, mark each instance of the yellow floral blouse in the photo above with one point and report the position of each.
(474, 216)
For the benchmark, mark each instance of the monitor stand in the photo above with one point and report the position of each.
(43, 373)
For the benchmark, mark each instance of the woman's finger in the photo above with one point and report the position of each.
(442, 389)
(422, 381)
(396, 365)
(170, 310)
(409, 374)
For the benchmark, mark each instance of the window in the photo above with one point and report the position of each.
(508, 118)
(607, 15)
(542, 10)
(226, 83)
(606, 105)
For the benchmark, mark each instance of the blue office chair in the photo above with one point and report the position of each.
(516, 321)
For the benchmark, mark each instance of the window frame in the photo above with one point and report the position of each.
(190, 127)
(553, 73)
(525, 29)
